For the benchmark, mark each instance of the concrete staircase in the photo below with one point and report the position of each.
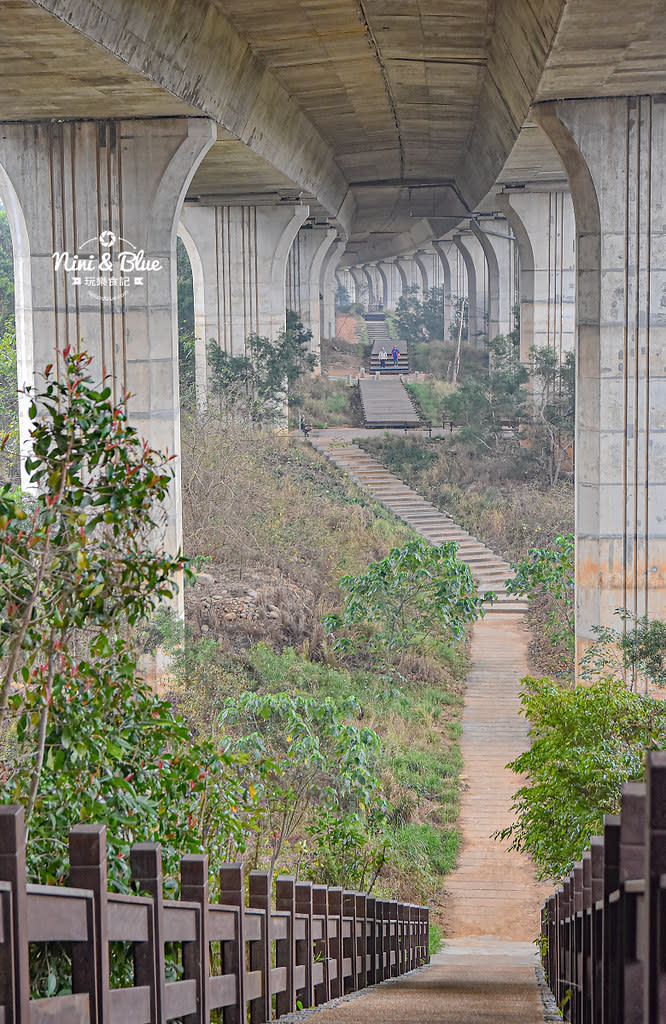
(386, 403)
(489, 570)
(380, 338)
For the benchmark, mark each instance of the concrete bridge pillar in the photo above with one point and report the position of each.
(543, 223)
(410, 273)
(382, 284)
(93, 208)
(613, 153)
(375, 284)
(392, 283)
(488, 269)
(499, 246)
(243, 252)
(429, 268)
(476, 302)
(304, 269)
(329, 285)
(360, 286)
(443, 253)
(369, 285)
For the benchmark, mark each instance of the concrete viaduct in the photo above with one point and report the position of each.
(512, 150)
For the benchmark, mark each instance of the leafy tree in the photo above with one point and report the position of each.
(433, 312)
(552, 410)
(636, 653)
(408, 316)
(9, 423)
(316, 777)
(256, 387)
(489, 410)
(420, 318)
(550, 572)
(185, 289)
(586, 742)
(81, 738)
(186, 368)
(417, 591)
(342, 299)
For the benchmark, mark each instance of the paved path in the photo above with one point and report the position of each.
(470, 982)
(486, 970)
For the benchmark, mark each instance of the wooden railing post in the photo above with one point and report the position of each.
(386, 941)
(349, 910)
(321, 946)
(394, 944)
(611, 966)
(371, 918)
(414, 937)
(259, 883)
(361, 941)
(146, 864)
(577, 996)
(337, 945)
(632, 905)
(655, 844)
(586, 941)
(196, 962)
(565, 995)
(304, 949)
(232, 894)
(88, 870)
(598, 912)
(12, 870)
(285, 901)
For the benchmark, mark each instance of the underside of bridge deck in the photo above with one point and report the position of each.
(383, 125)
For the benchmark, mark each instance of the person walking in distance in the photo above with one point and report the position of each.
(395, 352)
(383, 356)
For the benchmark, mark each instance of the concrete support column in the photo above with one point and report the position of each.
(402, 279)
(93, 207)
(393, 283)
(430, 265)
(375, 285)
(329, 285)
(360, 286)
(383, 284)
(544, 226)
(442, 252)
(369, 287)
(476, 304)
(243, 253)
(346, 280)
(420, 271)
(304, 269)
(409, 272)
(613, 153)
(499, 246)
(491, 291)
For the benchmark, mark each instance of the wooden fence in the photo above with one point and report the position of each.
(318, 942)
(604, 930)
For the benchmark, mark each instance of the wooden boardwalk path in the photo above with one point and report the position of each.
(486, 971)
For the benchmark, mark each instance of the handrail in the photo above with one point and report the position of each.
(603, 932)
(316, 943)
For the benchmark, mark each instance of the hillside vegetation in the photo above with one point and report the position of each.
(274, 528)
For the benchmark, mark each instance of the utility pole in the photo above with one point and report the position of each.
(456, 361)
